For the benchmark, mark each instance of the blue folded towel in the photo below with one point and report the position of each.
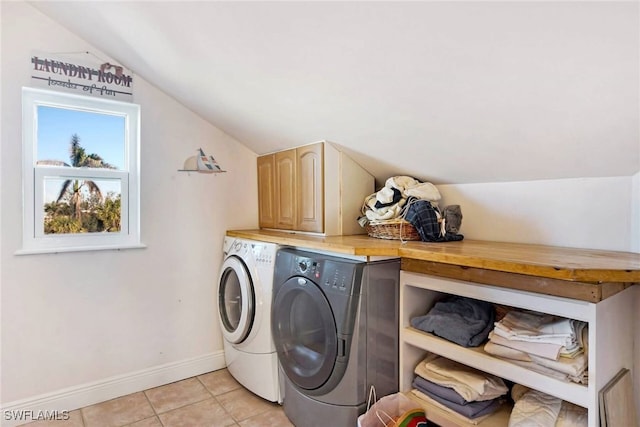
(464, 321)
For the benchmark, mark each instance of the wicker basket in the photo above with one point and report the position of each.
(393, 229)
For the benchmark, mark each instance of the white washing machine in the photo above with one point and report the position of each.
(244, 301)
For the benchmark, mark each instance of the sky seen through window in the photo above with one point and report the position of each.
(101, 134)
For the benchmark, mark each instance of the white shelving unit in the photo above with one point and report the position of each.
(610, 337)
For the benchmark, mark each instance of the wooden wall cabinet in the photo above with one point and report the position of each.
(310, 188)
(285, 190)
(266, 191)
(314, 188)
(277, 190)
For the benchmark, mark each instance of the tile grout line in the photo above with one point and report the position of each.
(152, 408)
(236, 421)
(82, 418)
(217, 401)
(84, 424)
(177, 407)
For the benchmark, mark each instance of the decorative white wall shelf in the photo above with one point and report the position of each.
(200, 171)
(201, 163)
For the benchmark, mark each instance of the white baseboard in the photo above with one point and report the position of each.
(109, 388)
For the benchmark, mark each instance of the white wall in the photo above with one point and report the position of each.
(582, 213)
(77, 319)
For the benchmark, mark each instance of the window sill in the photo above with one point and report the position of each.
(78, 249)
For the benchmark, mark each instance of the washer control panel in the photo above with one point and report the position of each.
(263, 254)
(260, 253)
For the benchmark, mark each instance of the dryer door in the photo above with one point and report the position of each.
(304, 332)
(236, 300)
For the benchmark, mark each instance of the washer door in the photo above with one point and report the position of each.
(236, 300)
(304, 333)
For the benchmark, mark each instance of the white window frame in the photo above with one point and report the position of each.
(34, 238)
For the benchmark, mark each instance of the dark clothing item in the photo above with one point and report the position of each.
(444, 392)
(464, 321)
(422, 215)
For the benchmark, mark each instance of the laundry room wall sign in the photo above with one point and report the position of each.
(103, 80)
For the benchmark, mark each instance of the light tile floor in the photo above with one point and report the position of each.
(215, 399)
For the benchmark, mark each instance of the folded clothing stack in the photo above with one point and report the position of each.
(534, 408)
(547, 344)
(470, 394)
(464, 321)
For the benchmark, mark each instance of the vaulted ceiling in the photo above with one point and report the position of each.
(449, 92)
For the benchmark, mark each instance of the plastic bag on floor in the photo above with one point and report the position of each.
(394, 410)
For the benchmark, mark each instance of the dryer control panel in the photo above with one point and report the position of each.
(331, 273)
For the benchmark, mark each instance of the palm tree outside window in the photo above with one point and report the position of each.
(81, 206)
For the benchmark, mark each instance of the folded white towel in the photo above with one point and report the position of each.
(538, 327)
(526, 323)
(573, 367)
(471, 384)
(532, 366)
(507, 352)
(548, 350)
(562, 341)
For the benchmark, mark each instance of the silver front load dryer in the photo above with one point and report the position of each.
(335, 328)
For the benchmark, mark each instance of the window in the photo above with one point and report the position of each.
(80, 172)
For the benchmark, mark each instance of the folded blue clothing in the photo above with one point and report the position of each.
(464, 321)
(441, 391)
(470, 410)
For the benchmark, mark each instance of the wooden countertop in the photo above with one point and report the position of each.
(547, 269)
(358, 244)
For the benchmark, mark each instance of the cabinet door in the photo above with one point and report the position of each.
(310, 182)
(285, 189)
(266, 191)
